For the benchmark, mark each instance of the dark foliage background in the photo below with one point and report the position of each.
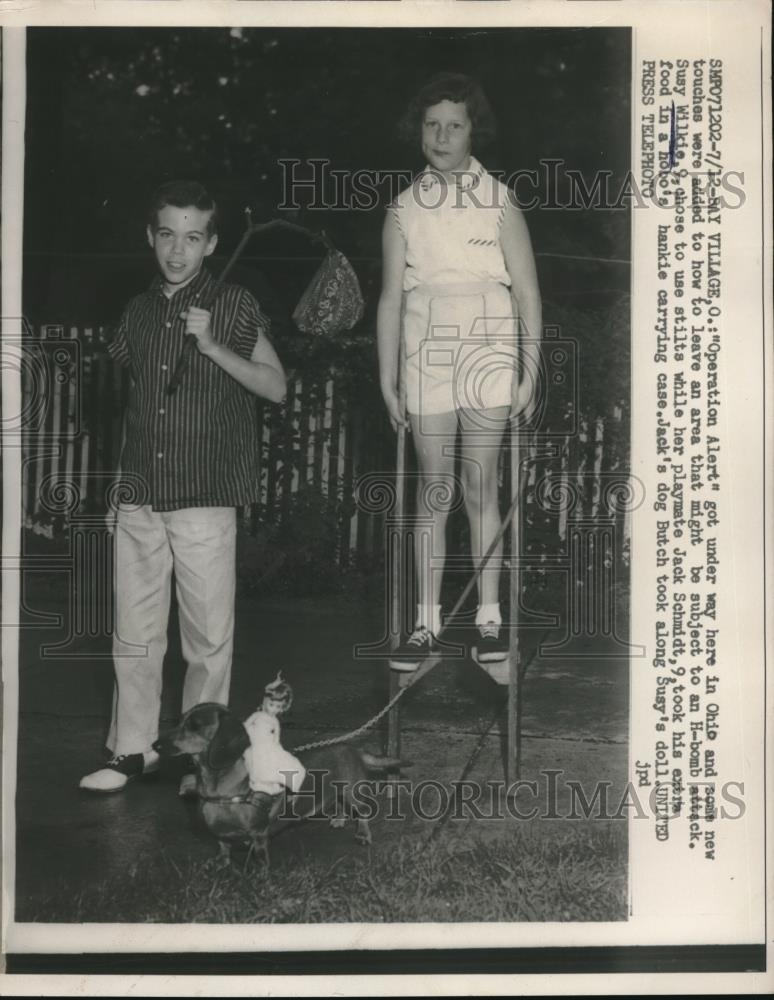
(114, 112)
(111, 113)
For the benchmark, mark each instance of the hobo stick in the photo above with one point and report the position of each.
(251, 230)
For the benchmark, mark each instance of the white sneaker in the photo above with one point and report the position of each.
(119, 771)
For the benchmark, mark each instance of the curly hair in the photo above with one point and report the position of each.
(459, 89)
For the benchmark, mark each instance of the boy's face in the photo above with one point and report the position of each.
(181, 242)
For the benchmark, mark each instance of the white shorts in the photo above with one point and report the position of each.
(461, 347)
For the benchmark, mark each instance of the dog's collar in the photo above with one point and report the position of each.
(251, 798)
(223, 798)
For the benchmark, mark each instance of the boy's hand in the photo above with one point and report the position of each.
(197, 323)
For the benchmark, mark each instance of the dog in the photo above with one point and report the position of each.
(216, 739)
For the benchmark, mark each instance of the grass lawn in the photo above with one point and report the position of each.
(579, 875)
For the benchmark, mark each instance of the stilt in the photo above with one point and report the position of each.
(507, 673)
(399, 679)
(398, 572)
(513, 762)
(393, 716)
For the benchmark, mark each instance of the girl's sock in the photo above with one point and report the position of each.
(429, 616)
(489, 613)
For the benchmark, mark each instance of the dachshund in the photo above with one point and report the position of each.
(216, 739)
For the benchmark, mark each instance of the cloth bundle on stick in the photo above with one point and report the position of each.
(333, 301)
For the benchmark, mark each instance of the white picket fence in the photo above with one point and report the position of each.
(318, 444)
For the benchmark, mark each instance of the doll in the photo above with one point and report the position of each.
(271, 768)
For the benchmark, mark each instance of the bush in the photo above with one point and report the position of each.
(296, 555)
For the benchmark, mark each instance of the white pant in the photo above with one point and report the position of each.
(200, 544)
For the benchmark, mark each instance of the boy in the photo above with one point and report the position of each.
(188, 460)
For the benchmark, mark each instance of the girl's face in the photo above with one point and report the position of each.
(446, 136)
(271, 706)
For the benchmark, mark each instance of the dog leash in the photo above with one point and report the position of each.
(428, 666)
(366, 725)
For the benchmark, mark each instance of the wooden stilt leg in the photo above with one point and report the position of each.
(398, 571)
(508, 673)
(393, 718)
(513, 769)
(502, 725)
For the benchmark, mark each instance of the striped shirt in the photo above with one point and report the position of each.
(198, 447)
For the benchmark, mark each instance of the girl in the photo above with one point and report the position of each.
(458, 282)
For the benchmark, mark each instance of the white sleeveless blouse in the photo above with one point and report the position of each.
(452, 232)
